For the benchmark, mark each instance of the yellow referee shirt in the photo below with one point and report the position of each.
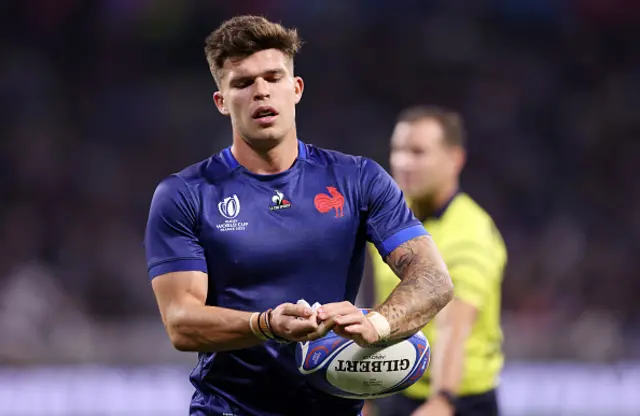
(475, 255)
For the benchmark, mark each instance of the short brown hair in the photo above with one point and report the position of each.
(243, 36)
(450, 121)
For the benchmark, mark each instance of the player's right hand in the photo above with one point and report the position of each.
(293, 322)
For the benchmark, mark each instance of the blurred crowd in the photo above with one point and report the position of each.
(103, 99)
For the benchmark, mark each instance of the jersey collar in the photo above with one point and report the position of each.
(231, 161)
(440, 212)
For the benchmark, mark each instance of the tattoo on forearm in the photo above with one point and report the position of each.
(425, 287)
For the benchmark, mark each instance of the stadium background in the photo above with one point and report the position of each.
(102, 99)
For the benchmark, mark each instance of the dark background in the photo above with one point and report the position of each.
(101, 100)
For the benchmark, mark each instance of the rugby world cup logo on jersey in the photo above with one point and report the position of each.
(230, 208)
(279, 202)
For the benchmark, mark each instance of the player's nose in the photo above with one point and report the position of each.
(261, 89)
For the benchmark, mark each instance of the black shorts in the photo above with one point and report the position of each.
(485, 404)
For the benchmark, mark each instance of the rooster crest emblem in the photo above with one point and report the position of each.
(325, 203)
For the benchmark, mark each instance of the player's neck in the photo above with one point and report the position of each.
(266, 160)
(430, 205)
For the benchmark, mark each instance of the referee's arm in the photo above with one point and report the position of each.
(469, 272)
(454, 325)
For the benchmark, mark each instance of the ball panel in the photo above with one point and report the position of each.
(421, 366)
(313, 356)
(338, 366)
(369, 371)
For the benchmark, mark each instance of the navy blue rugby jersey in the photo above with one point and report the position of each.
(268, 239)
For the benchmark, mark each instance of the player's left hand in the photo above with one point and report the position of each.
(346, 320)
(436, 406)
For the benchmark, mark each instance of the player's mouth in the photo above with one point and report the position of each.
(265, 115)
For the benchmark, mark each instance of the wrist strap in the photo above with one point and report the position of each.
(264, 326)
(381, 325)
(255, 326)
(260, 324)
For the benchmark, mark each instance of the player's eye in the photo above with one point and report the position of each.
(242, 84)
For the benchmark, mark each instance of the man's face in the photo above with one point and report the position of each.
(259, 93)
(421, 161)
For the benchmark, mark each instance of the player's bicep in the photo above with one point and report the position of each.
(177, 291)
(171, 235)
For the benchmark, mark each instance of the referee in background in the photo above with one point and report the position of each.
(427, 157)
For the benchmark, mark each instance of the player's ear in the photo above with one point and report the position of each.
(298, 88)
(218, 99)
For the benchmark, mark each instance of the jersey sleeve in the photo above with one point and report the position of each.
(389, 221)
(472, 266)
(171, 241)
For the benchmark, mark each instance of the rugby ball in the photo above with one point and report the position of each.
(342, 368)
